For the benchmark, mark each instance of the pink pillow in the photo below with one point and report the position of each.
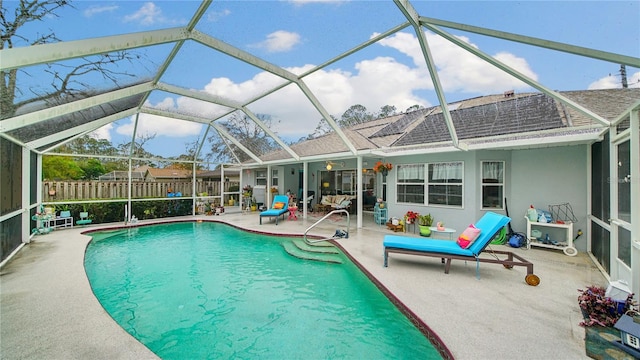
(468, 236)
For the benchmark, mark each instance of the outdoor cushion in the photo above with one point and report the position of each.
(278, 205)
(468, 236)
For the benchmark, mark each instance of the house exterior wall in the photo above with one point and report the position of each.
(453, 217)
(548, 176)
(539, 177)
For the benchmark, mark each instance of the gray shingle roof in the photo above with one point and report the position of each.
(521, 117)
(514, 115)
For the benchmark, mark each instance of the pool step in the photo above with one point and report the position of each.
(293, 250)
(319, 247)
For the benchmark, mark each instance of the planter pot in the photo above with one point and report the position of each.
(599, 343)
(424, 230)
(254, 207)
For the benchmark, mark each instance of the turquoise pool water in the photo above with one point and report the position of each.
(210, 291)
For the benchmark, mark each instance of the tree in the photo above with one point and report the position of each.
(413, 108)
(92, 169)
(321, 129)
(386, 111)
(250, 135)
(190, 149)
(138, 152)
(66, 82)
(56, 167)
(356, 114)
(88, 145)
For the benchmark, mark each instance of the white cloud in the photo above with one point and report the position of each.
(279, 41)
(161, 126)
(614, 82)
(103, 132)
(150, 14)
(93, 10)
(634, 80)
(372, 83)
(459, 70)
(214, 16)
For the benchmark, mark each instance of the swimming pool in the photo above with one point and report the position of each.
(209, 290)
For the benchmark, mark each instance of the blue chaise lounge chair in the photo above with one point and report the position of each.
(279, 207)
(490, 224)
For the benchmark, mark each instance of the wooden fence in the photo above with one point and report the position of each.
(54, 191)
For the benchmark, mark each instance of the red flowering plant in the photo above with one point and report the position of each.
(381, 167)
(411, 216)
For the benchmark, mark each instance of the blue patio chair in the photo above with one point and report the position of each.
(490, 225)
(84, 219)
(279, 207)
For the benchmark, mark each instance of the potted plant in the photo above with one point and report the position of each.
(424, 222)
(247, 191)
(440, 226)
(598, 309)
(600, 313)
(410, 217)
(382, 168)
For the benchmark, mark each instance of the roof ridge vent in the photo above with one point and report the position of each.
(509, 93)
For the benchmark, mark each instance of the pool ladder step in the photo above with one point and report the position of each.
(323, 247)
(320, 253)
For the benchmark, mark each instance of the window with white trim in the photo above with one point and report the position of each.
(410, 184)
(492, 184)
(430, 184)
(445, 183)
(261, 177)
(274, 177)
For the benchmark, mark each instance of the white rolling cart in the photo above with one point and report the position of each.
(564, 213)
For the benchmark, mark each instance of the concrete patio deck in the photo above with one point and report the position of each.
(48, 310)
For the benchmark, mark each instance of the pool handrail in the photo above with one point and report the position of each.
(334, 237)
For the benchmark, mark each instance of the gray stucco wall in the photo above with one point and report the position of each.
(548, 176)
(538, 177)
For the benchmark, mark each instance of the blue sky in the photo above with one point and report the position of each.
(299, 35)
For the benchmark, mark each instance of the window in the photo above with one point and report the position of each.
(274, 177)
(492, 184)
(624, 181)
(442, 186)
(261, 177)
(410, 187)
(445, 184)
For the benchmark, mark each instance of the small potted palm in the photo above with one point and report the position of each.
(424, 222)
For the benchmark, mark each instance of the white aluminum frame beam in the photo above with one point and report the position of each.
(548, 44)
(88, 127)
(48, 53)
(410, 13)
(251, 59)
(218, 100)
(518, 75)
(200, 120)
(78, 105)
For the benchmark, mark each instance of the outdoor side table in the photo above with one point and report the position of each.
(292, 213)
(449, 231)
